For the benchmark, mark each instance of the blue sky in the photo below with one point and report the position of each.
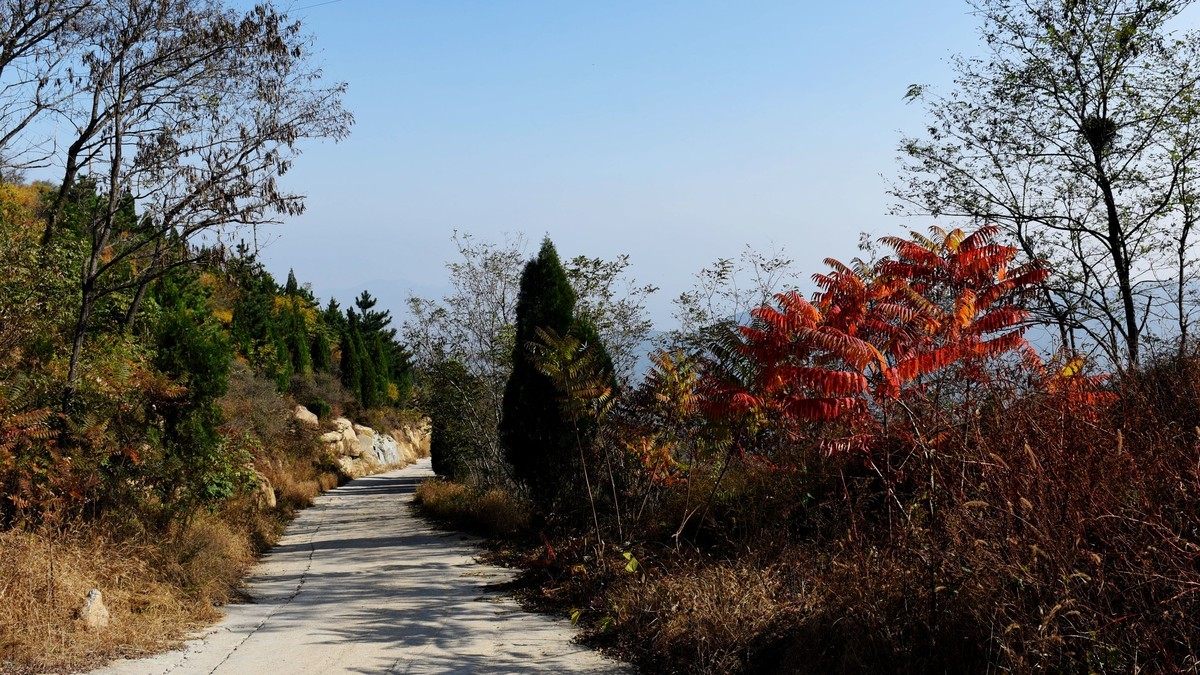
(675, 132)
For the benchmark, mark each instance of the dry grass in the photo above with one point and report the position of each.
(43, 582)
(158, 587)
(491, 513)
(158, 584)
(700, 618)
(207, 558)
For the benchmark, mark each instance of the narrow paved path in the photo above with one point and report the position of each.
(360, 585)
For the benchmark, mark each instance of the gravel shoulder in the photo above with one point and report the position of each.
(360, 585)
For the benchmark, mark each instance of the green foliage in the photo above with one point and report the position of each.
(448, 392)
(368, 384)
(351, 365)
(297, 341)
(320, 408)
(322, 358)
(278, 362)
(538, 440)
(193, 350)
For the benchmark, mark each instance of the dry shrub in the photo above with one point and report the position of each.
(384, 418)
(206, 558)
(43, 581)
(498, 513)
(702, 618)
(309, 389)
(494, 512)
(327, 481)
(299, 495)
(440, 498)
(253, 405)
(1051, 534)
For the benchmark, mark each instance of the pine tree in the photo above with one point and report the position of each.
(333, 317)
(538, 442)
(253, 318)
(370, 320)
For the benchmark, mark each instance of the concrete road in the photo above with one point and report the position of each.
(360, 585)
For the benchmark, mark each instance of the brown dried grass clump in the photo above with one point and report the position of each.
(43, 582)
(494, 512)
(207, 558)
(707, 618)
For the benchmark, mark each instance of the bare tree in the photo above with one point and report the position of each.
(38, 40)
(723, 295)
(474, 325)
(191, 112)
(616, 306)
(1066, 136)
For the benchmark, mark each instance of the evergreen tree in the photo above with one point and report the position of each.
(350, 365)
(297, 332)
(253, 318)
(192, 349)
(383, 371)
(400, 360)
(322, 358)
(538, 442)
(372, 321)
(368, 392)
(333, 318)
(292, 288)
(448, 393)
(279, 367)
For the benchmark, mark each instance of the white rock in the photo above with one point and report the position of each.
(305, 416)
(347, 438)
(385, 451)
(266, 494)
(94, 614)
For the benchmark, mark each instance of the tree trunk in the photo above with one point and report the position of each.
(1116, 252)
(85, 315)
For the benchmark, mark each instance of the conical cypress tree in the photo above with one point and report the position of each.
(383, 370)
(321, 356)
(298, 342)
(538, 442)
(350, 364)
(369, 384)
(281, 367)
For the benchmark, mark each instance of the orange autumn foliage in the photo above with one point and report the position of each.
(951, 301)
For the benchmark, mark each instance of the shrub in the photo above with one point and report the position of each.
(492, 512)
(320, 388)
(703, 618)
(320, 408)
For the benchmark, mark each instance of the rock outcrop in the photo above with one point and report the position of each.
(342, 441)
(361, 450)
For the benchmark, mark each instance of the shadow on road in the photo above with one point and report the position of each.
(406, 598)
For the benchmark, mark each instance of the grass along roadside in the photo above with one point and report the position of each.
(158, 583)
